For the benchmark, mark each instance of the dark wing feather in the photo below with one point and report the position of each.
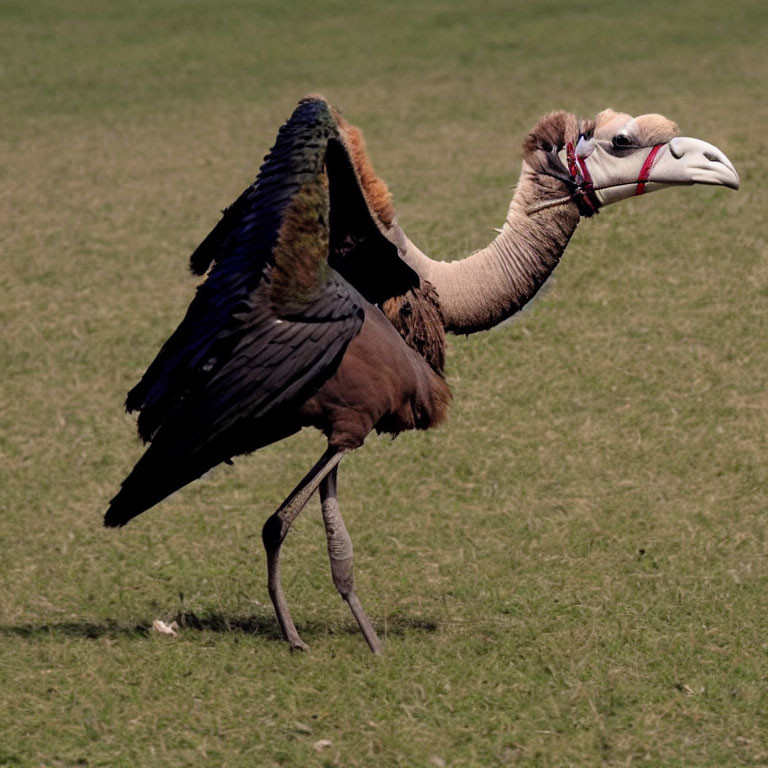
(240, 248)
(308, 147)
(361, 249)
(270, 323)
(248, 399)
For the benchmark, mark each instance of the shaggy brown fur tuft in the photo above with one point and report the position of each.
(553, 131)
(418, 318)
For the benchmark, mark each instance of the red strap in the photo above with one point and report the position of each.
(576, 164)
(645, 171)
(571, 155)
(584, 193)
(584, 170)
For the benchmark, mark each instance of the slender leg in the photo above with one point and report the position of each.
(340, 552)
(275, 530)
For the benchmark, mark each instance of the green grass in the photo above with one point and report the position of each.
(572, 572)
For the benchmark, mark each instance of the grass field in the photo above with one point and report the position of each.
(572, 572)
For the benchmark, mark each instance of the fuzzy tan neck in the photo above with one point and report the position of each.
(482, 290)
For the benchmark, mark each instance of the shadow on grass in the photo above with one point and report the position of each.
(262, 626)
(83, 629)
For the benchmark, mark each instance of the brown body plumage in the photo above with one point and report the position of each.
(381, 384)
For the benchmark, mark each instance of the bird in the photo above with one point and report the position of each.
(317, 310)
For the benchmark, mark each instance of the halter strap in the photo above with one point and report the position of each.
(584, 193)
(645, 171)
(584, 190)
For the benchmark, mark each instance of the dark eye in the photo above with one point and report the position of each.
(622, 140)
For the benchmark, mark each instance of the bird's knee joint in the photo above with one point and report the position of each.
(272, 534)
(341, 571)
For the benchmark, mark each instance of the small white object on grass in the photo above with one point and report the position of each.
(165, 629)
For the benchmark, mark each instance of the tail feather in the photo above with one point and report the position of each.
(153, 479)
(177, 457)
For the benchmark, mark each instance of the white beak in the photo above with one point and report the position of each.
(692, 161)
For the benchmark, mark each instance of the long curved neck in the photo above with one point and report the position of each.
(482, 290)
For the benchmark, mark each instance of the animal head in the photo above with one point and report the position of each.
(616, 156)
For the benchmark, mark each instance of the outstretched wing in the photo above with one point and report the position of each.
(271, 321)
